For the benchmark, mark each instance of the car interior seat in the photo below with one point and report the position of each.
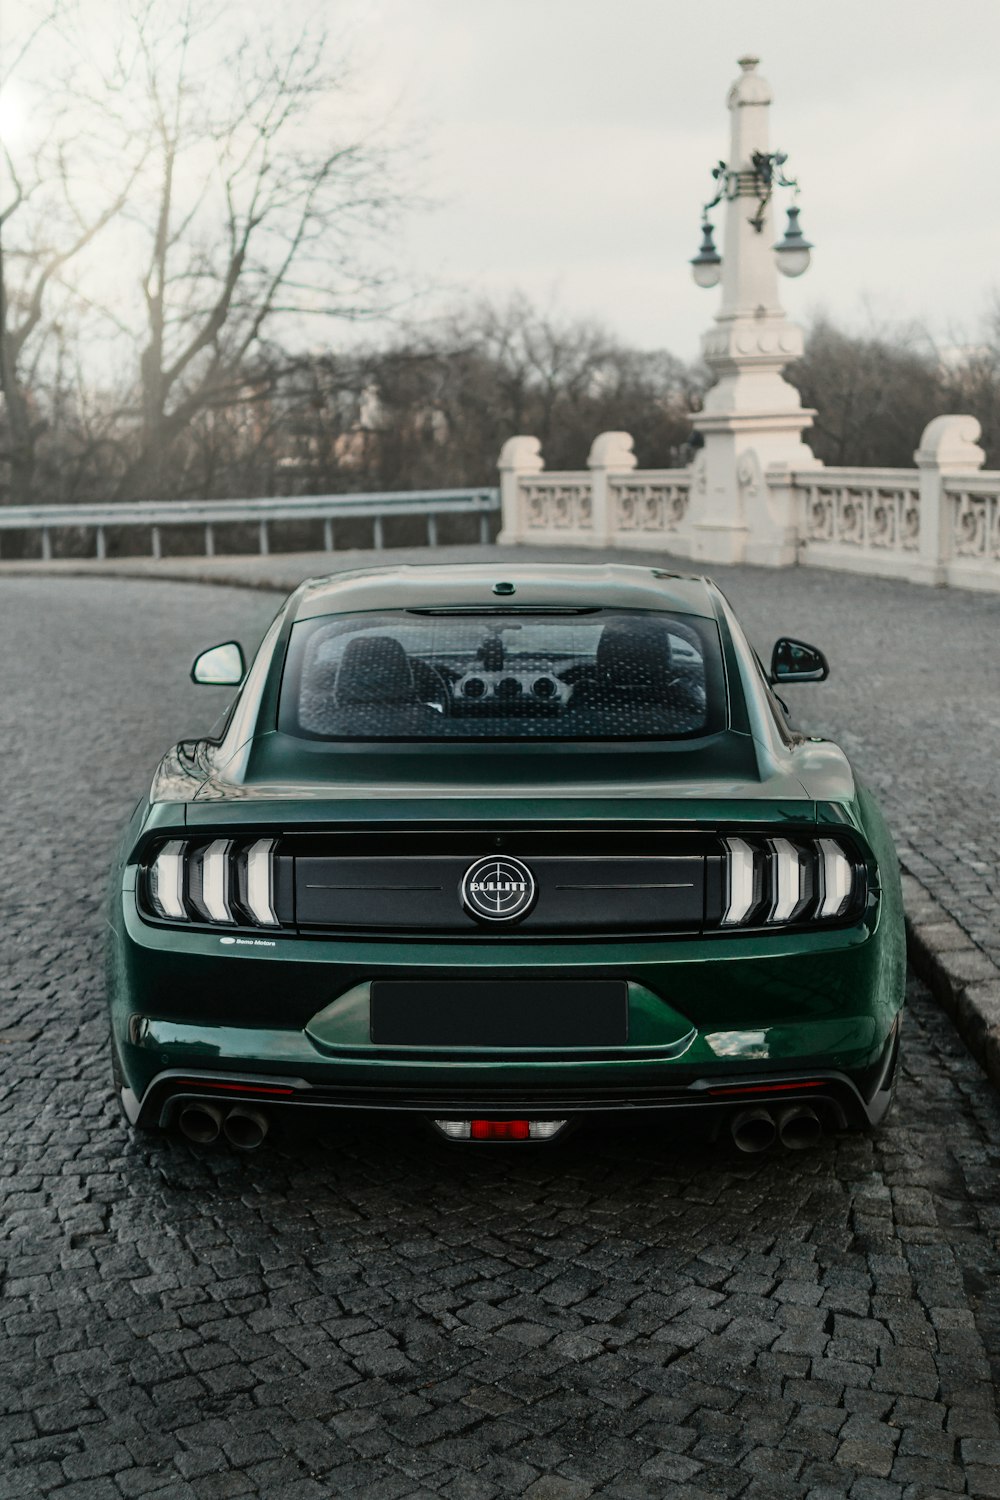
(375, 669)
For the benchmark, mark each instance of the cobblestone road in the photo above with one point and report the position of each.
(357, 1312)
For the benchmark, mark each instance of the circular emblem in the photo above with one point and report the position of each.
(498, 889)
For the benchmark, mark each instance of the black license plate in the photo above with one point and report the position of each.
(497, 1013)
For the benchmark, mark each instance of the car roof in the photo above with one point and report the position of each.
(471, 585)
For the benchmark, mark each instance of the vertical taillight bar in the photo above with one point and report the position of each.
(166, 881)
(836, 879)
(215, 880)
(786, 894)
(260, 882)
(742, 888)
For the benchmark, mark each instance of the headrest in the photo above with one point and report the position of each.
(634, 653)
(375, 669)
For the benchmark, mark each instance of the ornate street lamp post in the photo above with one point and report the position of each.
(753, 418)
(792, 254)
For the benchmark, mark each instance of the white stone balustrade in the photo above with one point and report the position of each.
(937, 523)
(854, 518)
(649, 507)
(973, 521)
(608, 504)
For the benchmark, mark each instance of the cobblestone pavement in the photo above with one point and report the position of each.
(359, 1311)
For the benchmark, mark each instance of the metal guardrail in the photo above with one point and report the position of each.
(329, 509)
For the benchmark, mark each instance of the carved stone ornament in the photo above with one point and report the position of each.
(748, 475)
(949, 443)
(656, 506)
(612, 450)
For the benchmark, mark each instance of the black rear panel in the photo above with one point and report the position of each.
(585, 882)
(573, 895)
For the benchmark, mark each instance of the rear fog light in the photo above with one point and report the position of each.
(499, 1130)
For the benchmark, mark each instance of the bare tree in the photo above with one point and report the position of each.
(434, 405)
(972, 381)
(874, 392)
(197, 189)
(262, 198)
(61, 186)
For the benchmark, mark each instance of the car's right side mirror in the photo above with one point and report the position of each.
(220, 666)
(795, 661)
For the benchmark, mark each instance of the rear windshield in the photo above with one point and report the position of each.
(589, 675)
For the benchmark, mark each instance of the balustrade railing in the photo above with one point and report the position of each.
(973, 523)
(924, 525)
(938, 522)
(557, 502)
(859, 512)
(648, 505)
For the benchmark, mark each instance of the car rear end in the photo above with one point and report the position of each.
(714, 962)
(507, 866)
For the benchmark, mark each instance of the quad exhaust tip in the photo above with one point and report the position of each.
(797, 1127)
(754, 1130)
(243, 1127)
(200, 1122)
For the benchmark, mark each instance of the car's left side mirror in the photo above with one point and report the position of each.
(220, 666)
(795, 661)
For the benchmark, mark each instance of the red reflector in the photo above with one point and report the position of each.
(235, 1088)
(767, 1088)
(499, 1130)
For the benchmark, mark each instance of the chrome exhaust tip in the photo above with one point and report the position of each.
(799, 1127)
(245, 1128)
(200, 1122)
(753, 1130)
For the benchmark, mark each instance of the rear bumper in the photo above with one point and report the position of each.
(813, 1015)
(841, 1101)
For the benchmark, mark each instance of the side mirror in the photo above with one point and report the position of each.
(794, 661)
(220, 666)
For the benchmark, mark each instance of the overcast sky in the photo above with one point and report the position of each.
(570, 144)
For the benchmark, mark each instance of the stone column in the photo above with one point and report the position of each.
(947, 446)
(519, 456)
(610, 453)
(752, 417)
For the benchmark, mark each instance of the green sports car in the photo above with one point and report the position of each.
(506, 851)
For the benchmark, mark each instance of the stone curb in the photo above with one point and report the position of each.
(962, 978)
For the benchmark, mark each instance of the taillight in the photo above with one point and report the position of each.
(225, 882)
(777, 881)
